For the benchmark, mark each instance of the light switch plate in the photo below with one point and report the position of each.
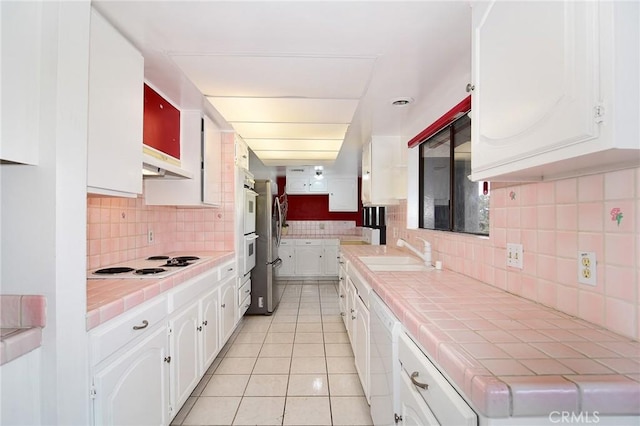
(587, 268)
(515, 255)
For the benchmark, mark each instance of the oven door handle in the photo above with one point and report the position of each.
(251, 237)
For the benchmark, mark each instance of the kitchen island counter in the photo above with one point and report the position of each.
(508, 356)
(108, 298)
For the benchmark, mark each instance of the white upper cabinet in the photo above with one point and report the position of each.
(383, 171)
(303, 180)
(21, 65)
(116, 78)
(343, 194)
(556, 88)
(202, 156)
(241, 153)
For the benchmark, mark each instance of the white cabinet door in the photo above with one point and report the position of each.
(413, 409)
(184, 348)
(298, 185)
(318, 186)
(330, 260)
(21, 58)
(287, 254)
(309, 260)
(361, 343)
(201, 155)
(383, 171)
(351, 311)
(550, 89)
(210, 334)
(134, 389)
(343, 194)
(114, 152)
(242, 153)
(228, 311)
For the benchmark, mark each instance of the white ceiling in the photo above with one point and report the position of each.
(295, 78)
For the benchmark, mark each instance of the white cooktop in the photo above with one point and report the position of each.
(142, 264)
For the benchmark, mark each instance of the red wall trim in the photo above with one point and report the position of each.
(316, 207)
(441, 122)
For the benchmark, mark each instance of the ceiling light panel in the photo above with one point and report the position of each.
(297, 155)
(294, 144)
(290, 130)
(285, 109)
(278, 76)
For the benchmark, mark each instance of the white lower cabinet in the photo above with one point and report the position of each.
(184, 347)
(361, 343)
(133, 389)
(145, 364)
(426, 396)
(228, 309)
(308, 258)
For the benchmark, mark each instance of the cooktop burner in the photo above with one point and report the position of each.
(148, 271)
(158, 258)
(114, 270)
(186, 258)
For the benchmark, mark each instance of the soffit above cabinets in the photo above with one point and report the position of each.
(279, 103)
(329, 53)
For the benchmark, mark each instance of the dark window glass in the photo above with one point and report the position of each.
(449, 200)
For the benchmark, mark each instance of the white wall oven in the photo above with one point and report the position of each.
(250, 237)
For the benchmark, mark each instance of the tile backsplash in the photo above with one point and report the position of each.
(554, 221)
(117, 228)
(323, 227)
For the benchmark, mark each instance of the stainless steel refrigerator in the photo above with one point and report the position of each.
(265, 292)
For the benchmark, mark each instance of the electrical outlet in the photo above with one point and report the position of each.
(587, 268)
(515, 254)
(150, 236)
(321, 225)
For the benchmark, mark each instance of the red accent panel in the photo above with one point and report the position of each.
(316, 207)
(441, 122)
(161, 124)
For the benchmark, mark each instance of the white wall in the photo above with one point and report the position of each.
(43, 219)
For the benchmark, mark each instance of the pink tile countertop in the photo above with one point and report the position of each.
(21, 320)
(108, 298)
(508, 355)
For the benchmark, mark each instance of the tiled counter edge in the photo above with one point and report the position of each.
(108, 298)
(616, 392)
(21, 322)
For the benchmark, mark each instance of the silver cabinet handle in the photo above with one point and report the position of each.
(342, 314)
(470, 88)
(352, 310)
(145, 324)
(205, 322)
(223, 305)
(247, 291)
(353, 317)
(167, 359)
(200, 328)
(342, 296)
(417, 383)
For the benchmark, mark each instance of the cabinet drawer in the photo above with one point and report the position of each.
(331, 242)
(315, 242)
(443, 400)
(244, 305)
(287, 242)
(227, 270)
(243, 292)
(134, 324)
(186, 292)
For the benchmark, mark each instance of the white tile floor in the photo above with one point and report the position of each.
(295, 367)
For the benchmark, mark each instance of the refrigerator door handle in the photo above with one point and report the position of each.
(275, 263)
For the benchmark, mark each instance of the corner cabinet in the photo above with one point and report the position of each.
(201, 155)
(555, 89)
(116, 75)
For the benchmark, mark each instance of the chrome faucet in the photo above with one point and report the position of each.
(425, 255)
